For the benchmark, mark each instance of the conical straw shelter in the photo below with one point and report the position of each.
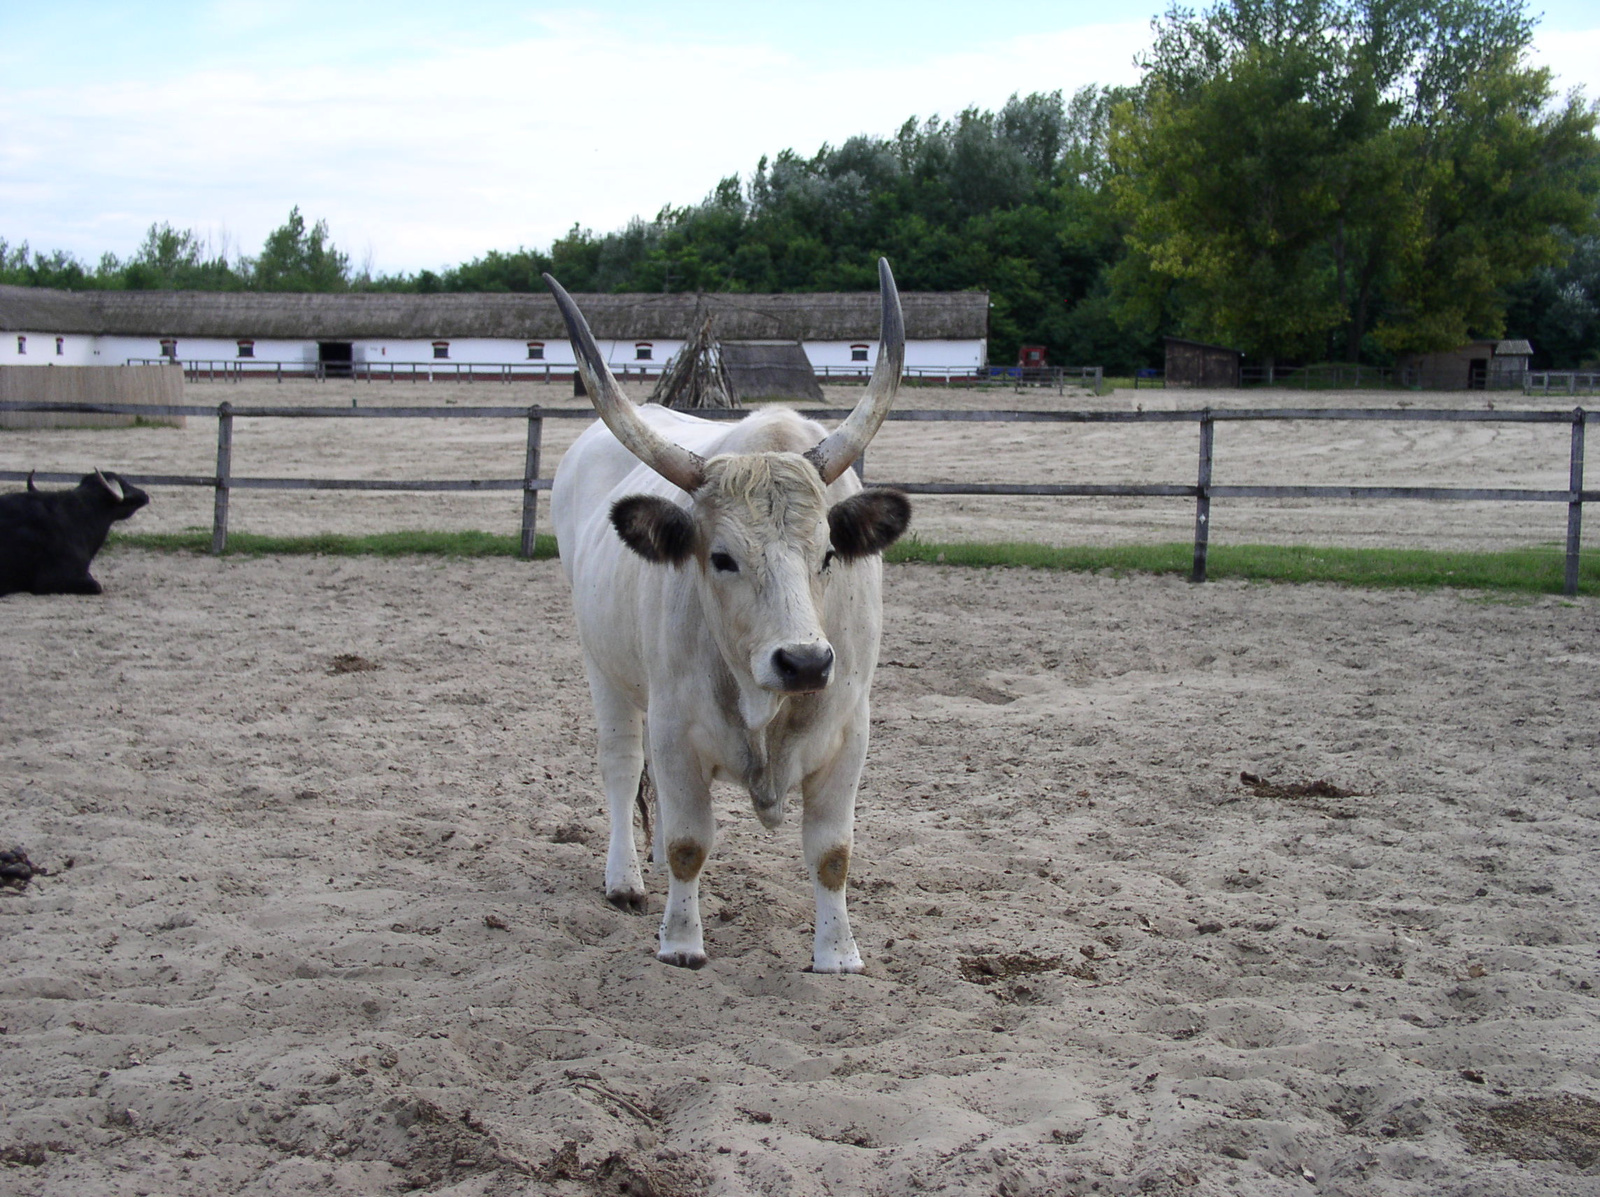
(695, 377)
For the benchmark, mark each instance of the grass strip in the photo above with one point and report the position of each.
(1528, 571)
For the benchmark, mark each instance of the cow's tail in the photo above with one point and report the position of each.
(645, 801)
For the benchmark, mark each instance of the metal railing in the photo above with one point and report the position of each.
(1203, 492)
(1561, 382)
(237, 369)
(1324, 376)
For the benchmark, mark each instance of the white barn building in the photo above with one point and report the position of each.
(454, 334)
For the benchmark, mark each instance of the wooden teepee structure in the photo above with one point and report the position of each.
(695, 377)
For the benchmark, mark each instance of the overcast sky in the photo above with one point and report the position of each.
(427, 134)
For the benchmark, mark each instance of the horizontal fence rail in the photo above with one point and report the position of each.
(1203, 491)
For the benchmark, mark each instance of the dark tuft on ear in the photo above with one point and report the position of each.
(869, 522)
(655, 528)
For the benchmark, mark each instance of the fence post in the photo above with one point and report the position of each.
(1202, 505)
(219, 516)
(530, 473)
(1575, 503)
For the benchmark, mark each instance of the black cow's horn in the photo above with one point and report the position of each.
(32, 489)
(114, 489)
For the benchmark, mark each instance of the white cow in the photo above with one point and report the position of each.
(726, 580)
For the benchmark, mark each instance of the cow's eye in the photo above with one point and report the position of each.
(723, 563)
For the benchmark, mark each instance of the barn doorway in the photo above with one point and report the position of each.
(334, 357)
(1477, 374)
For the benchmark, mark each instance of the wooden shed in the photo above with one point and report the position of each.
(1196, 364)
(1475, 366)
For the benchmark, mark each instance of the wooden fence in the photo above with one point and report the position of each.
(1203, 492)
(143, 390)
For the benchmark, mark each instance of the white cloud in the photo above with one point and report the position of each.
(1574, 57)
(433, 160)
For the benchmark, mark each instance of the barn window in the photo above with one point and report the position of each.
(61, 346)
(247, 348)
(441, 349)
(22, 344)
(858, 353)
(169, 347)
(536, 351)
(641, 351)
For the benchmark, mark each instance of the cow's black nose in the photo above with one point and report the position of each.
(804, 666)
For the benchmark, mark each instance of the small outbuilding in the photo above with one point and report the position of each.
(769, 370)
(1475, 366)
(1197, 364)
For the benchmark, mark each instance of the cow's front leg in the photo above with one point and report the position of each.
(687, 829)
(621, 726)
(828, 834)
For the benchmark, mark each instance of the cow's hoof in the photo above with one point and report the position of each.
(629, 901)
(838, 962)
(683, 959)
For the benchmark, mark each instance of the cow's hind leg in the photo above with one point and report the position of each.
(621, 726)
(68, 578)
(827, 834)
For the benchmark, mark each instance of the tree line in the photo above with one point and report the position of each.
(1303, 180)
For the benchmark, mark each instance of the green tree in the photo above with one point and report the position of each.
(1491, 193)
(1558, 307)
(297, 259)
(172, 259)
(21, 266)
(1231, 191)
(1297, 174)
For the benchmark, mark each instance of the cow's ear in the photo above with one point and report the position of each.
(868, 522)
(655, 528)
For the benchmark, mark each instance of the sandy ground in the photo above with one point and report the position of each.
(1484, 455)
(324, 908)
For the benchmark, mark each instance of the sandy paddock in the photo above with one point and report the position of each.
(324, 911)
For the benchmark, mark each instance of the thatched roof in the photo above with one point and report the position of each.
(768, 371)
(816, 316)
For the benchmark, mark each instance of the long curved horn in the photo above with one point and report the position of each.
(845, 443)
(114, 489)
(32, 489)
(679, 466)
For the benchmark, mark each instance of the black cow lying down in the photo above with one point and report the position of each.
(48, 538)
